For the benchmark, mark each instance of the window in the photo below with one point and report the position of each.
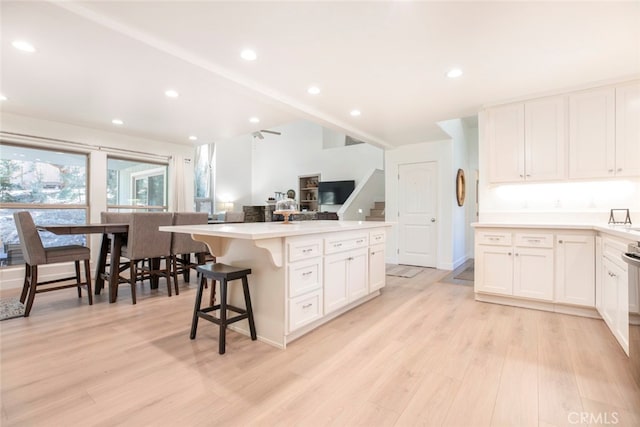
(204, 171)
(52, 185)
(133, 185)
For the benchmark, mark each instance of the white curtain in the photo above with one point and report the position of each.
(182, 187)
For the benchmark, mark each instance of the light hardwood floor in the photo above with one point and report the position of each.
(423, 353)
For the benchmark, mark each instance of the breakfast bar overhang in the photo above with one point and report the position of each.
(303, 273)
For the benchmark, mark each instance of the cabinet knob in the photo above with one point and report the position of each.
(517, 254)
(560, 241)
(307, 305)
(528, 175)
(433, 220)
(509, 253)
(521, 176)
(610, 170)
(619, 169)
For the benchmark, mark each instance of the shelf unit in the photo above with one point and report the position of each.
(308, 192)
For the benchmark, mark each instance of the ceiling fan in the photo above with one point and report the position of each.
(259, 134)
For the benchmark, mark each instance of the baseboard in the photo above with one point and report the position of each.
(539, 305)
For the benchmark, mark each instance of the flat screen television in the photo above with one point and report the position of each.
(335, 192)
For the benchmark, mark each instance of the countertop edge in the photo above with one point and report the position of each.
(234, 231)
(614, 231)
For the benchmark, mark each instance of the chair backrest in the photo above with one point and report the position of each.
(115, 217)
(230, 216)
(183, 243)
(30, 242)
(144, 239)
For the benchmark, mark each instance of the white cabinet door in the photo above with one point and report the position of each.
(377, 274)
(592, 133)
(575, 269)
(335, 282)
(609, 295)
(505, 132)
(533, 273)
(615, 297)
(494, 269)
(545, 138)
(628, 130)
(358, 274)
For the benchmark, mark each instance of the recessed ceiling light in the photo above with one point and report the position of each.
(117, 122)
(313, 90)
(248, 55)
(170, 93)
(193, 138)
(355, 113)
(454, 72)
(24, 46)
(254, 120)
(3, 98)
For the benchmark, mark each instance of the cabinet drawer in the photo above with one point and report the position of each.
(304, 309)
(534, 240)
(340, 243)
(494, 238)
(304, 249)
(377, 236)
(305, 276)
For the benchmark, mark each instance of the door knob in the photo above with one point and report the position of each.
(433, 220)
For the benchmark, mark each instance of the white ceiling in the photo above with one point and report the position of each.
(99, 60)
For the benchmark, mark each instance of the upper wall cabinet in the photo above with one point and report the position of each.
(605, 132)
(527, 141)
(592, 133)
(628, 130)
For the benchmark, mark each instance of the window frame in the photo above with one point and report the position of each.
(164, 167)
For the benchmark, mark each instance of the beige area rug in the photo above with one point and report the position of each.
(10, 308)
(402, 270)
(466, 274)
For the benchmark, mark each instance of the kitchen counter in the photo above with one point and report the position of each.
(303, 274)
(619, 231)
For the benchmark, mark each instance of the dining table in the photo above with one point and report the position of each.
(114, 233)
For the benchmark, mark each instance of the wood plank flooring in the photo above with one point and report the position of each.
(423, 353)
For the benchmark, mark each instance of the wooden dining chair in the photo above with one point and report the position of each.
(35, 255)
(145, 241)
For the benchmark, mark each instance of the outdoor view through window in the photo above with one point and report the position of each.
(52, 185)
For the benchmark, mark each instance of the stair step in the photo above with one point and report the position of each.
(374, 218)
(376, 212)
(378, 205)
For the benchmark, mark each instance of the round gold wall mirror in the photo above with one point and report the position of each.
(460, 187)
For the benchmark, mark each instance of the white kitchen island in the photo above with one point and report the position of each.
(303, 273)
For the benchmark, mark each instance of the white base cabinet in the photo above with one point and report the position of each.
(377, 267)
(533, 273)
(575, 269)
(523, 268)
(346, 278)
(614, 291)
(327, 272)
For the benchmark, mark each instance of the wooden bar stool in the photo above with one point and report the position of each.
(223, 273)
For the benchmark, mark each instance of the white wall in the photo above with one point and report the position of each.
(442, 153)
(460, 221)
(363, 198)
(234, 173)
(574, 202)
(277, 161)
(97, 144)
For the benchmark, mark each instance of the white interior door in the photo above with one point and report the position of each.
(417, 208)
